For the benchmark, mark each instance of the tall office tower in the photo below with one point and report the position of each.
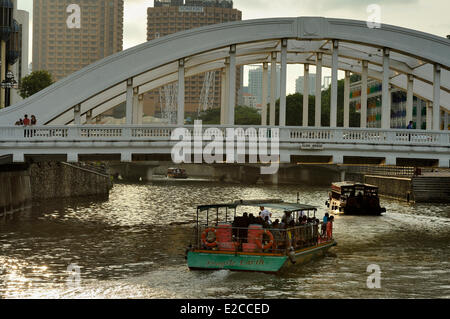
(169, 16)
(70, 34)
(255, 83)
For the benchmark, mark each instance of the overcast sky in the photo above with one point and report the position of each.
(430, 16)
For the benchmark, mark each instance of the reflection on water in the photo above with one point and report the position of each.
(132, 246)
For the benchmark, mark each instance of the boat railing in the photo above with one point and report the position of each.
(256, 239)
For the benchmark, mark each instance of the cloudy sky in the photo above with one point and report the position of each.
(430, 16)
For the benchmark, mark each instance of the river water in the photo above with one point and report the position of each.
(132, 246)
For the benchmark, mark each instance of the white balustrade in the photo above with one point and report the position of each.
(324, 135)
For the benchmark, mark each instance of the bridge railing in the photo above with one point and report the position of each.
(285, 134)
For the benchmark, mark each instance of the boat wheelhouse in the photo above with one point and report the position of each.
(223, 240)
(352, 198)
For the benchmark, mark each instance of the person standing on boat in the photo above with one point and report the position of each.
(324, 225)
(265, 213)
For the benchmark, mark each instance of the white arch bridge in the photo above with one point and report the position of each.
(412, 61)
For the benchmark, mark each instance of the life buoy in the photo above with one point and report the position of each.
(205, 234)
(269, 244)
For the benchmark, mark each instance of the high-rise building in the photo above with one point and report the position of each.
(255, 83)
(300, 82)
(170, 16)
(20, 69)
(68, 35)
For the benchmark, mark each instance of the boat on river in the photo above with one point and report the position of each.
(177, 173)
(352, 198)
(223, 240)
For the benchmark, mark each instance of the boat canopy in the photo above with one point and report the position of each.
(274, 204)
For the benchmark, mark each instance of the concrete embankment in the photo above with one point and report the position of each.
(426, 188)
(60, 180)
(15, 189)
(20, 185)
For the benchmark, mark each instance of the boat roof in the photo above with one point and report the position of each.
(272, 203)
(352, 184)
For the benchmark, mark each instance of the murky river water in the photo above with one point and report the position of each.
(132, 246)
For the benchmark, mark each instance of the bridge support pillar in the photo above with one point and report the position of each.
(72, 157)
(273, 88)
(385, 93)
(318, 110)
(338, 159)
(18, 158)
(334, 84)
(342, 175)
(265, 93)
(140, 110)
(305, 94)
(347, 99)
(436, 97)
(390, 160)
(364, 75)
(410, 99)
(126, 157)
(135, 110)
(444, 163)
(283, 79)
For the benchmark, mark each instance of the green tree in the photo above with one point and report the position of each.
(35, 82)
(244, 115)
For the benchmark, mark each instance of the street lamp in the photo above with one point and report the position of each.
(8, 84)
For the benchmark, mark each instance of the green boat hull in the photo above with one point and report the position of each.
(203, 260)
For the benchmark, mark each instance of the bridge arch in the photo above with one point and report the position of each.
(394, 56)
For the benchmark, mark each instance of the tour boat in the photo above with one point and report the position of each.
(176, 173)
(353, 198)
(240, 244)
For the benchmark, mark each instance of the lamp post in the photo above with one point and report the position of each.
(8, 84)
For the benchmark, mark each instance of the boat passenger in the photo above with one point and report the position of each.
(324, 225)
(264, 213)
(330, 228)
(287, 218)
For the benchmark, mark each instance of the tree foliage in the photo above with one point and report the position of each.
(244, 115)
(35, 82)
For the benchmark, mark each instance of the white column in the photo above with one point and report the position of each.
(318, 111)
(135, 105)
(223, 96)
(334, 84)
(180, 111)
(140, 111)
(347, 99)
(364, 75)
(265, 91)
(385, 94)
(429, 116)
(409, 99)
(305, 94)
(283, 77)
(273, 88)
(436, 97)
(129, 102)
(77, 114)
(232, 85)
(89, 117)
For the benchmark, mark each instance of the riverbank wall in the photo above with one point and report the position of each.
(21, 185)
